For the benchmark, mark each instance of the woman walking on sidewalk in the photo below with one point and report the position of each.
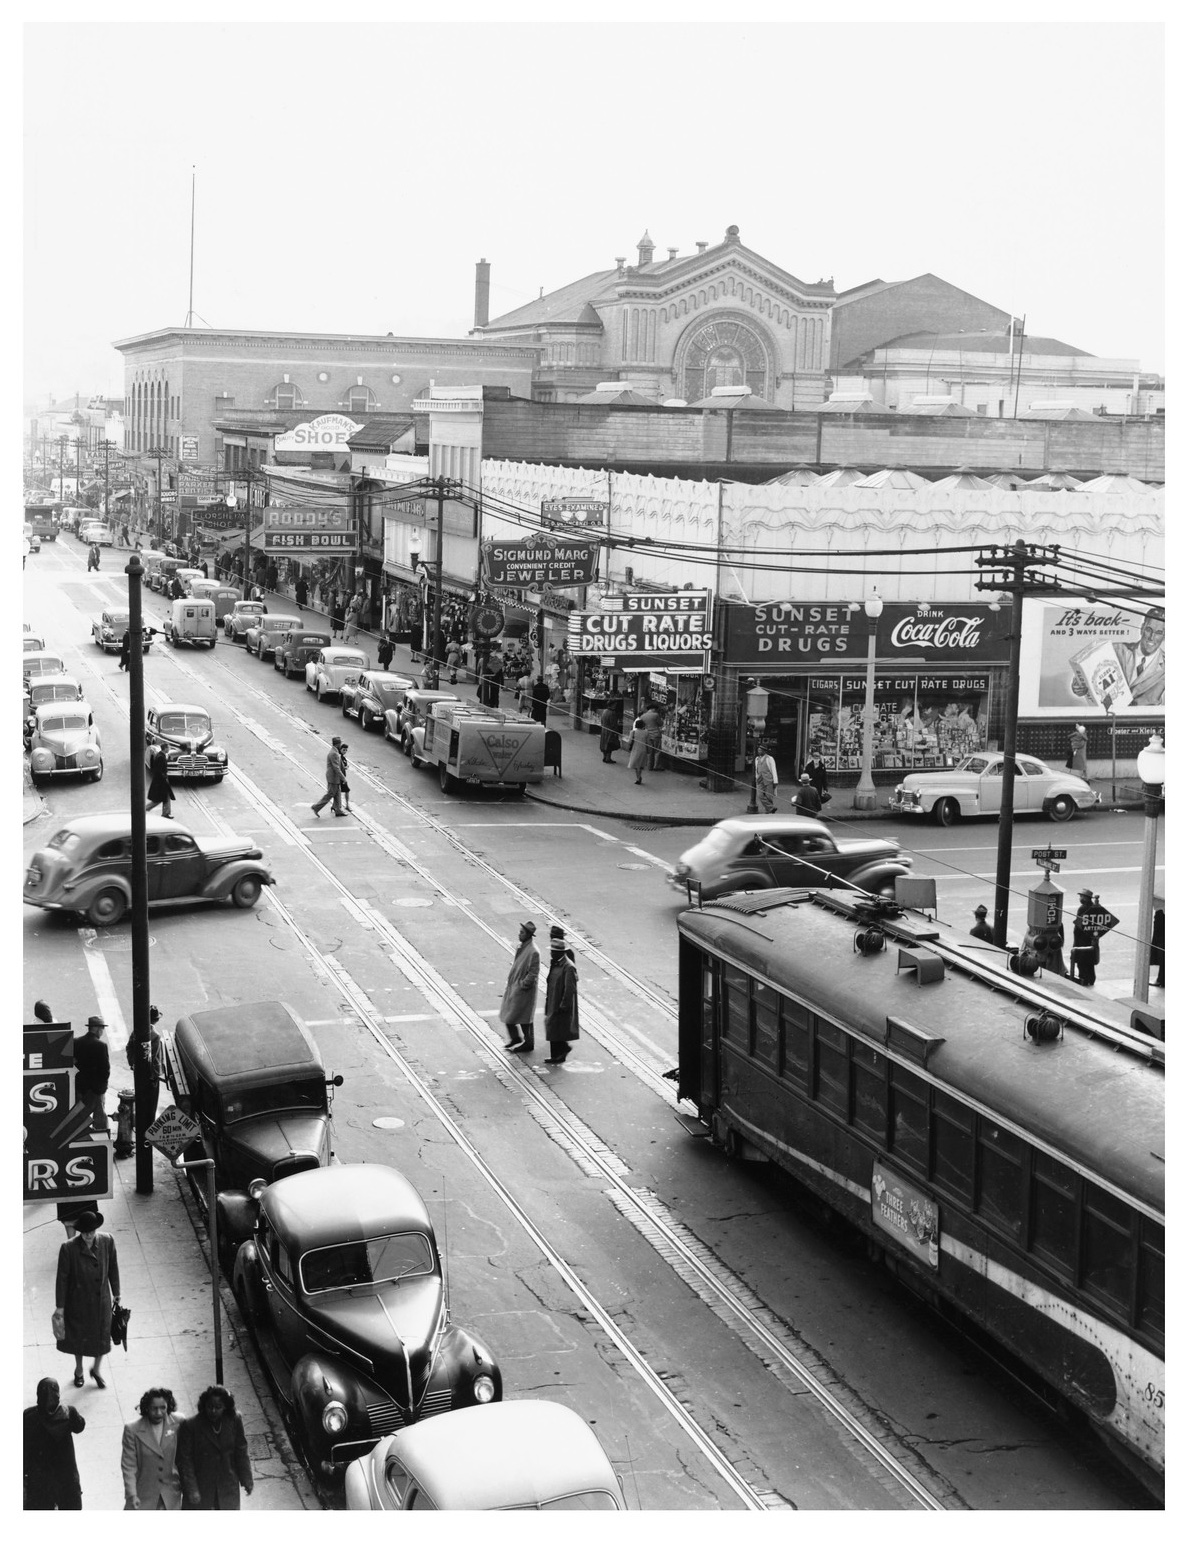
(337, 623)
(637, 760)
(612, 727)
(212, 1454)
(88, 1281)
(148, 1455)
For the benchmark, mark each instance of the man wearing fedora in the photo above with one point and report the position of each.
(1086, 951)
(981, 928)
(92, 1063)
(561, 1000)
(518, 1009)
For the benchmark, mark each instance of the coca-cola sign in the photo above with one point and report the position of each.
(785, 636)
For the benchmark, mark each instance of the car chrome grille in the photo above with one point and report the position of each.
(384, 1418)
(435, 1403)
(68, 763)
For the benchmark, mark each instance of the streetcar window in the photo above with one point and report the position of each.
(1106, 1248)
(795, 1041)
(1000, 1176)
(952, 1145)
(1054, 1213)
(831, 1075)
(870, 1092)
(1150, 1287)
(909, 1118)
(736, 1007)
(767, 1019)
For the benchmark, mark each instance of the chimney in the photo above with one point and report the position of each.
(646, 248)
(701, 246)
(672, 253)
(621, 261)
(482, 293)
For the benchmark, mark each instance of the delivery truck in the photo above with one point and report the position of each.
(480, 747)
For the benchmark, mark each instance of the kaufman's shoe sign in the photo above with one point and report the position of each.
(326, 434)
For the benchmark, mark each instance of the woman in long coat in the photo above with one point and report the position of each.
(1077, 744)
(50, 1471)
(637, 758)
(88, 1281)
(612, 727)
(561, 1000)
(518, 1009)
(212, 1454)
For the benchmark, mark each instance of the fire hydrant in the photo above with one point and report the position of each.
(125, 1120)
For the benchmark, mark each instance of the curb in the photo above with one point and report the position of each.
(619, 814)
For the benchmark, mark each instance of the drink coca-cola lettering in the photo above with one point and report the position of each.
(953, 631)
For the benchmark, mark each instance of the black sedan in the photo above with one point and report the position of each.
(186, 735)
(765, 852)
(343, 1288)
(375, 693)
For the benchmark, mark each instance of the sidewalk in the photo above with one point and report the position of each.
(165, 1283)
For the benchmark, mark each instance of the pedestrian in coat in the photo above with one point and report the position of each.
(637, 756)
(346, 787)
(981, 929)
(92, 1064)
(1077, 745)
(352, 622)
(212, 1454)
(612, 729)
(87, 1283)
(148, 1455)
(50, 1471)
(766, 779)
(384, 652)
(160, 788)
(805, 798)
(561, 1000)
(539, 697)
(518, 1009)
(453, 659)
(652, 720)
(93, 559)
(1086, 948)
(125, 650)
(334, 779)
(149, 1051)
(819, 777)
(337, 617)
(301, 593)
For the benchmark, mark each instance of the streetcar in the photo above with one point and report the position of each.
(998, 1141)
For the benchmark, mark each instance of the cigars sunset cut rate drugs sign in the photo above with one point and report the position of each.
(647, 631)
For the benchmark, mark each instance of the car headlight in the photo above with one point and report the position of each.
(484, 1389)
(334, 1418)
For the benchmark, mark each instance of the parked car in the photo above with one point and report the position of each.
(223, 598)
(400, 721)
(244, 613)
(32, 642)
(109, 628)
(296, 648)
(252, 1078)
(374, 694)
(192, 621)
(86, 868)
(38, 663)
(528, 1454)
(64, 742)
(342, 1286)
(766, 852)
(265, 632)
(334, 669)
(32, 539)
(47, 688)
(974, 787)
(160, 573)
(186, 735)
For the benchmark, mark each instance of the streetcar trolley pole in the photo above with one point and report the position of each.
(173, 1132)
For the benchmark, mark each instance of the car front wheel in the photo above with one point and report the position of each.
(106, 909)
(1062, 807)
(346, 708)
(947, 812)
(247, 891)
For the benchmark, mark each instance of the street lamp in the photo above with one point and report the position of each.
(1150, 770)
(865, 796)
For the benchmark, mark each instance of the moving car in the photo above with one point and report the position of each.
(296, 648)
(64, 742)
(108, 631)
(252, 1078)
(334, 669)
(343, 1288)
(766, 852)
(95, 534)
(243, 613)
(479, 747)
(374, 694)
(974, 787)
(42, 520)
(160, 573)
(186, 735)
(529, 1454)
(38, 663)
(192, 621)
(266, 631)
(87, 866)
(48, 688)
(400, 721)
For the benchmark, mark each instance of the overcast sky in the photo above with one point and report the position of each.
(349, 176)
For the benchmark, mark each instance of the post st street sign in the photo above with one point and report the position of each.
(172, 1132)
(1041, 853)
(61, 1162)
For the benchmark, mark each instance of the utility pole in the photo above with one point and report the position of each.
(62, 441)
(158, 454)
(142, 1070)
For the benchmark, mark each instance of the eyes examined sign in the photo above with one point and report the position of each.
(647, 631)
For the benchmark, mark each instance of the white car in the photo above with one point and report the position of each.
(32, 541)
(65, 743)
(333, 668)
(95, 534)
(974, 787)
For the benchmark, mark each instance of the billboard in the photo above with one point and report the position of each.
(1100, 659)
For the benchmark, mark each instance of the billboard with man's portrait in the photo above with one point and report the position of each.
(1096, 658)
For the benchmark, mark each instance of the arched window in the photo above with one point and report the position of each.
(286, 396)
(360, 398)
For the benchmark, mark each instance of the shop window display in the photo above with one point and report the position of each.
(920, 721)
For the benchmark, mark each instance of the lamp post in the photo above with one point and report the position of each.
(757, 700)
(1150, 770)
(865, 796)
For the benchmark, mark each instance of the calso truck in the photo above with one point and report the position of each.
(480, 747)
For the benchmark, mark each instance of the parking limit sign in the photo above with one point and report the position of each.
(172, 1132)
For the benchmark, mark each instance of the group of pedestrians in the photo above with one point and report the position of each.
(642, 742)
(1090, 924)
(518, 1009)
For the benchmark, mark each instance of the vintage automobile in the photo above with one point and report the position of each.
(296, 648)
(400, 721)
(86, 868)
(974, 787)
(252, 1078)
(244, 613)
(186, 735)
(95, 534)
(32, 539)
(265, 632)
(47, 688)
(527, 1454)
(766, 852)
(38, 663)
(334, 669)
(223, 597)
(33, 643)
(108, 631)
(160, 573)
(343, 1288)
(64, 742)
(374, 694)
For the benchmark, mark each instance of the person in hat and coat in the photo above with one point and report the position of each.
(767, 778)
(518, 1009)
(561, 1000)
(160, 788)
(50, 1470)
(806, 800)
(609, 739)
(1086, 950)
(212, 1454)
(88, 1282)
(148, 1455)
(92, 1064)
(1077, 743)
(981, 928)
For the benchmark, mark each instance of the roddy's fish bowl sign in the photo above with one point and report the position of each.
(326, 434)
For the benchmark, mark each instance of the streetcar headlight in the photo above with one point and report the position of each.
(334, 1418)
(484, 1389)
